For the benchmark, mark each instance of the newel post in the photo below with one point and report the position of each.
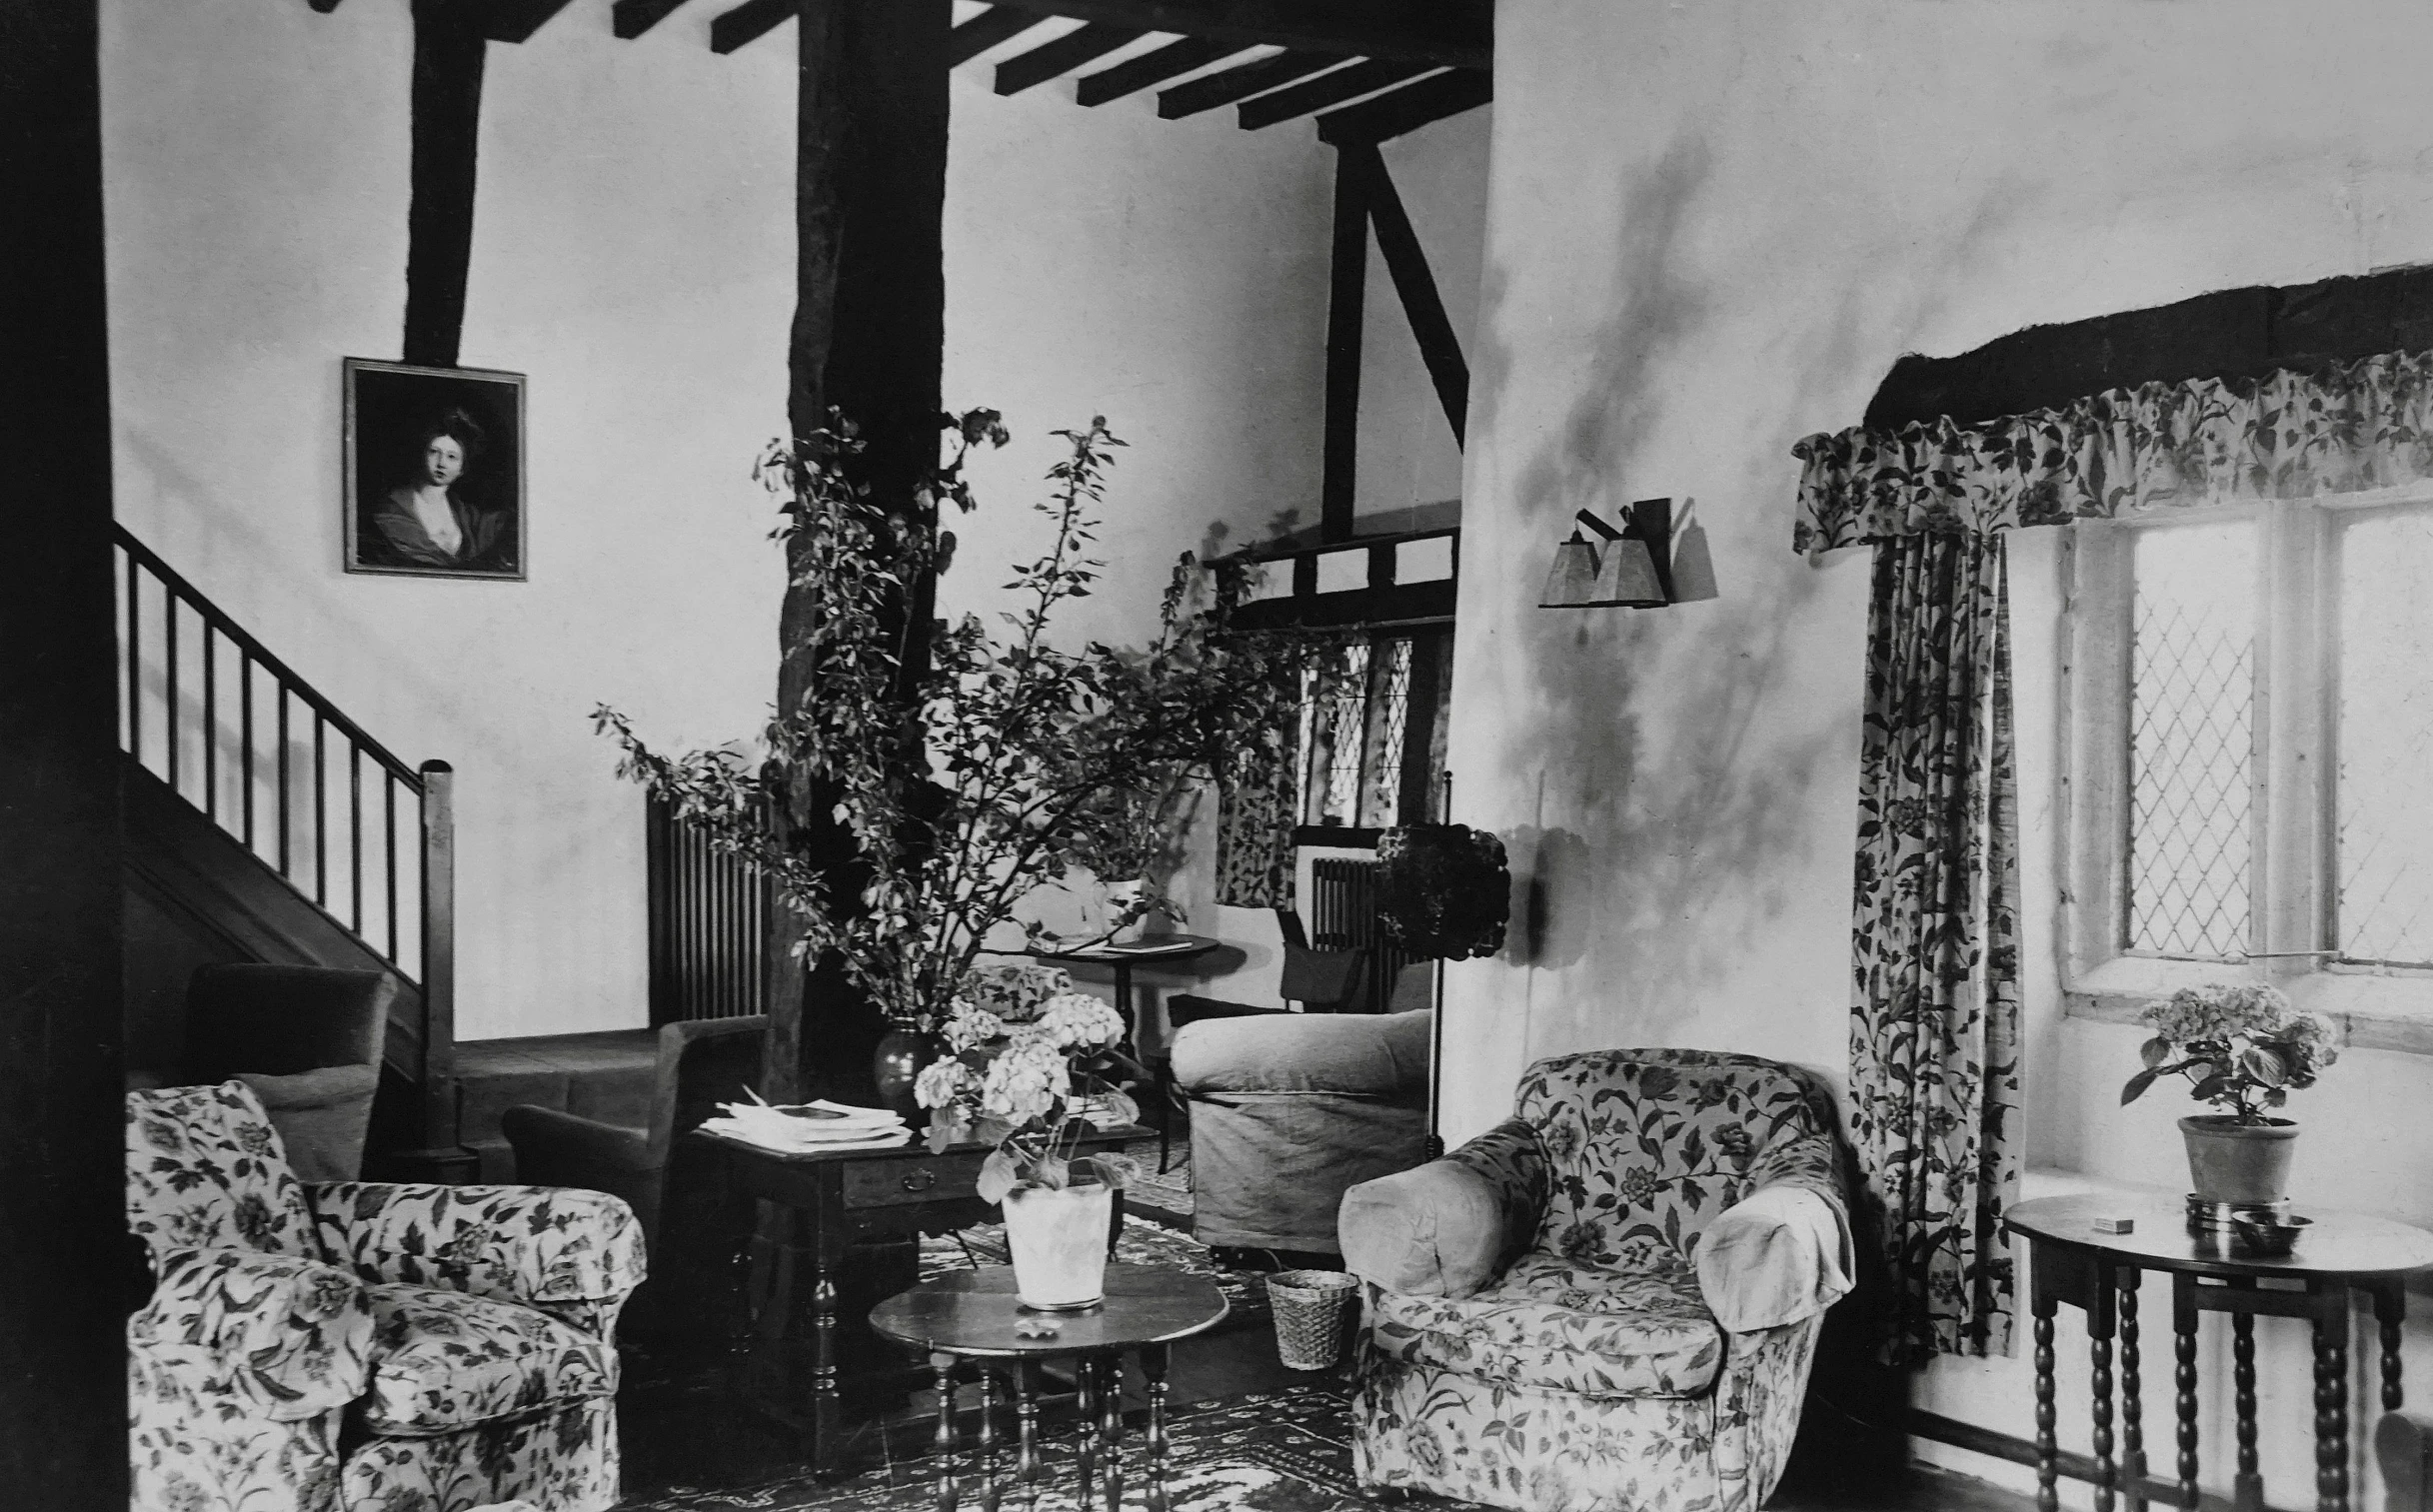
(437, 1070)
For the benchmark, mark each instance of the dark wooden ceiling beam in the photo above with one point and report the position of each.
(323, 6)
(747, 23)
(1409, 107)
(631, 18)
(1233, 84)
(1063, 55)
(998, 24)
(1455, 33)
(517, 20)
(1326, 90)
(1152, 67)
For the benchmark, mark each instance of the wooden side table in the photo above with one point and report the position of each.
(2070, 1261)
(975, 1315)
(1148, 951)
(844, 1196)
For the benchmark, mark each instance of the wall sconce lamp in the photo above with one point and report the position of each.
(1630, 568)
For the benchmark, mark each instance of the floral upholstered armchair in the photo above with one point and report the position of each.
(1609, 1301)
(371, 1348)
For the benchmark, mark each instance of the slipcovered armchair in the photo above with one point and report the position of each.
(1290, 1109)
(1609, 1301)
(344, 1346)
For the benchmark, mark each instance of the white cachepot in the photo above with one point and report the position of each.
(1058, 1240)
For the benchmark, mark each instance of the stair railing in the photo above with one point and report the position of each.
(304, 789)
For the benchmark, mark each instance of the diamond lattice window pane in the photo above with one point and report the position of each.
(2191, 740)
(2386, 728)
(1381, 788)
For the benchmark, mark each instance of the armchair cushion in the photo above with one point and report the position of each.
(444, 1361)
(507, 1243)
(205, 1170)
(1780, 1255)
(1449, 1227)
(1560, 1326)
(289, 1337)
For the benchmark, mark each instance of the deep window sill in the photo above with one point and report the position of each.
(2380, 1012)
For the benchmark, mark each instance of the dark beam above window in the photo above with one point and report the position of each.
(1458, 32)
(1440, 347)
(1326, 90)
(985, 30)
(1409, 107)
(747, 23)
(1065, 54)
(1154, 67)
(1242, 83)
(631, 18)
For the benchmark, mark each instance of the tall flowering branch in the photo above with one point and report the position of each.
(995, 767)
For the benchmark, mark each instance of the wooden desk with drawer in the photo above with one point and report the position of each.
(844, 1196)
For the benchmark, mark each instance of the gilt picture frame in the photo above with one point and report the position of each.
(435, 471)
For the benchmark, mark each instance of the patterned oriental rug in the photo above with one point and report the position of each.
(1267, 1452)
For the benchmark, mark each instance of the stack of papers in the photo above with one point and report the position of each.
(807, 1126)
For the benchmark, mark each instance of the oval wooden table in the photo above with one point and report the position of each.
(2070, 1261)
(975, 1315)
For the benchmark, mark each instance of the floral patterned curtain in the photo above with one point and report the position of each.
(2360, 425)
(1934, 1029)
(1260, 793)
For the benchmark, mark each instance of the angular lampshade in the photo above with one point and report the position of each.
(1571, 584)
(1625, 578)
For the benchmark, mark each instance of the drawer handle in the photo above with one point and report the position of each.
(920, 1180)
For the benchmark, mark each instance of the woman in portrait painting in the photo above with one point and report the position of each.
(425, 521)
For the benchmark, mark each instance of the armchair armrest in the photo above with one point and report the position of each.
(1782, 1252)
(287, 1336)
(1451, 1225)
(529, 1244)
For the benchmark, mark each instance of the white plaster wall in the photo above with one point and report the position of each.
(633, 252)
(1711, 230)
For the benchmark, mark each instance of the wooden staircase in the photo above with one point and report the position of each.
(261, 823)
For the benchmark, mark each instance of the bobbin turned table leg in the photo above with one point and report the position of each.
(1111, 1413)
(2183, 1350)
(2390, 1311)
(943, 1365)
(989, 1490)
(2248, 1485)
(2331, 1401)
(2049, 1448)
(2099, 1358)
(1027, 1420)
(2132, 1408)
(1086, 1449)
(1152, 1369)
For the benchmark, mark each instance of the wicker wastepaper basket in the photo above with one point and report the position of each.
(1314, 1311)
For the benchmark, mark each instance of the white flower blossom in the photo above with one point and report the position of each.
(942, 1081)
(973, 1025)
(1025, 1081)
(1077, 1020)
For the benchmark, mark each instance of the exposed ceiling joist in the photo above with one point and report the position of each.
(1326, 90)
(985, 30)
(323, 6)
(1242, 83)
(1063, 55)
(517, 20)
(1457, 33)
(631, 18)
(1154, 67)
(1409, 107)
(747, 23)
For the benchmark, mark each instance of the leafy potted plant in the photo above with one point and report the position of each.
(1032, 1072)
(2243, 1048)
(967, 778)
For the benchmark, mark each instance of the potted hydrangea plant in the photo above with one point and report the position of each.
(1032, 1072)
(2244, 1049)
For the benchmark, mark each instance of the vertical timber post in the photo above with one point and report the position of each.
(66, 1261)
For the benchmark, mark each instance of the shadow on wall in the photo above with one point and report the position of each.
(1684, 763)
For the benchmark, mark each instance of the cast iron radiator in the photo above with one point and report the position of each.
(709, 925)
(1343, 917)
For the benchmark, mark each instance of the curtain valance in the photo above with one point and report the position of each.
(2367, 424)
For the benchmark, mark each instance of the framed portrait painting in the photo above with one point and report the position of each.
(434, 471)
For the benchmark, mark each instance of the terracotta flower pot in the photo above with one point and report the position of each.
(1058, 1240)
(2230, 1161)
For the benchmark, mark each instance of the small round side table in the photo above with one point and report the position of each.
(974, 1315)
(2070, 1261)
